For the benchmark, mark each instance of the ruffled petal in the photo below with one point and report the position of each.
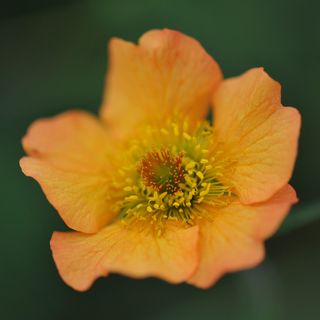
(256, 133)
(135, 252)
(233, 240)
(68, 156)
(165, 74)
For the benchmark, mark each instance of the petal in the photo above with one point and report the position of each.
(256, 133)
(165, 74)
(137, 253)
(234, 239)
(68, 157)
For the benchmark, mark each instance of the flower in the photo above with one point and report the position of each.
(153, 189)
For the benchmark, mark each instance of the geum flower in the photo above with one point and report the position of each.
(153, 189)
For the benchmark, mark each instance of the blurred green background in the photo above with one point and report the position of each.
(53, 58)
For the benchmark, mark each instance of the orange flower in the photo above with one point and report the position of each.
(153, 189)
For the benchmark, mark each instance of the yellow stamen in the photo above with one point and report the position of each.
(169, 177)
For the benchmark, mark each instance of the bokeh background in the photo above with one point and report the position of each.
(53, 58)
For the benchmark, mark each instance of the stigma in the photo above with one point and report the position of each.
(162, 171)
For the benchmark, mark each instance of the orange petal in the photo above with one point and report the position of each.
(257, 133)
(166, 73)
(234, 239)
(68, 157)
(137, 253)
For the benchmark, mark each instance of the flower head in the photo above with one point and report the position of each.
(153, 189)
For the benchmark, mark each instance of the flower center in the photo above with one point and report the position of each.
(171, 173)
(162, 171)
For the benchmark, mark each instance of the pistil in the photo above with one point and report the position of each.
(162, 171)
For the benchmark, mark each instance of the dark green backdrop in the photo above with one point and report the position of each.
(53, 57)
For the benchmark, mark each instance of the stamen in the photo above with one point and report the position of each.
(175, 181)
